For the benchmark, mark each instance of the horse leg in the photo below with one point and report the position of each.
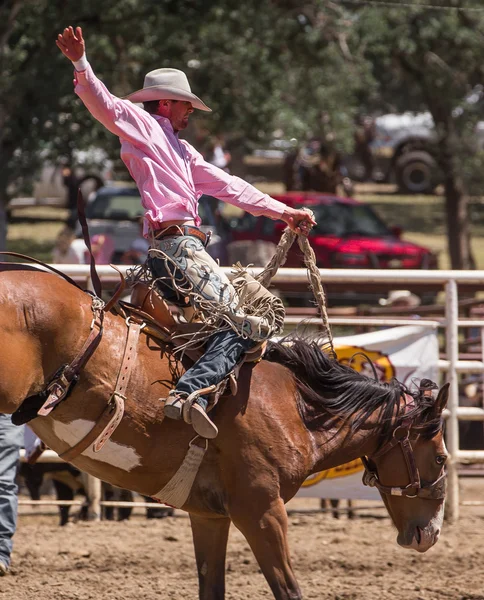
(266, 533)
(335, 505)
(63, 492)
(92, 487)
(210, 537)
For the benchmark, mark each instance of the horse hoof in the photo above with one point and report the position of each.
(202, 424)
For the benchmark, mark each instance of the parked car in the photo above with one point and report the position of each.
(349, 234)
(116, 212)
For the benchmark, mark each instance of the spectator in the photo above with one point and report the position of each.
(63, 252)
(218, 155)
(11, 440)
(364, 135)
(401, 299)
(33, 445)
(137, 253)
(102, 246)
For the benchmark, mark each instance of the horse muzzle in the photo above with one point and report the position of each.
(419, 539)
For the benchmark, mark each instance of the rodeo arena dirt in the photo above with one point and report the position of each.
(343, 558)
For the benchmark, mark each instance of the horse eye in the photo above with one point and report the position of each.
(441, 459)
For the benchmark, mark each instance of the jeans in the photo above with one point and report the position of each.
(184, 269)
(222, 352)
(191, 266)
(11, 440)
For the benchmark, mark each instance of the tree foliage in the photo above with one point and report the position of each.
(426, 59)
(264, 66)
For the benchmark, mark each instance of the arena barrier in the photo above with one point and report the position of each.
(446, 281)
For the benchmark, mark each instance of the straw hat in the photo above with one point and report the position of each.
(167, 84)
(400, 297)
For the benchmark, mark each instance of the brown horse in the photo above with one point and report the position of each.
(297, 412)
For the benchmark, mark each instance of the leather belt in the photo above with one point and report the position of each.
(183, 230)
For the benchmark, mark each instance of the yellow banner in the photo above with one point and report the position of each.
(350, 468)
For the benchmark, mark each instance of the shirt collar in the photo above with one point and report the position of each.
(164, 122)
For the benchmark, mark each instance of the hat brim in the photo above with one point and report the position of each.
(159, 92)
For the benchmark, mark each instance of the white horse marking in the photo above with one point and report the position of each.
(117, 455)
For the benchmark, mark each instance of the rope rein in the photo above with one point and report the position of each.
(278, 260)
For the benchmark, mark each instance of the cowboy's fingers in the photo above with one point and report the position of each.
(63, 48)
(64, 37)
(70, 36)
(79, 34)
(309, 217)
(75, 35)
(62, 44)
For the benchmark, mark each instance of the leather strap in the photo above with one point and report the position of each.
(103, 421)
(113, 413)
(96, 282)
(43, 264)
(59, 387)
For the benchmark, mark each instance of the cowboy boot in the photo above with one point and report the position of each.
(173, 407)
(177, 408)
(202, 423)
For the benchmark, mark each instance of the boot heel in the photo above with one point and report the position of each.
(202, 424)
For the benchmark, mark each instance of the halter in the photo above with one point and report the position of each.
(434, 491)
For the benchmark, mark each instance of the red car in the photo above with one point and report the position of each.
(348, 234)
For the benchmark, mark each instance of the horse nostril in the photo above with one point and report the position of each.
(418, 535)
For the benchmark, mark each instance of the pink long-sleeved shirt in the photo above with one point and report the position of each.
(170, 174)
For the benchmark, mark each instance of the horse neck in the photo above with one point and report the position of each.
(337, 445)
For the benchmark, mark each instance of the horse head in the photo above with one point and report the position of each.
(409, 471)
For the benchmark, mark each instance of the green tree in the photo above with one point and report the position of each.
(426, 59)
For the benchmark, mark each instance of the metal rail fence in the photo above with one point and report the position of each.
(447, 281)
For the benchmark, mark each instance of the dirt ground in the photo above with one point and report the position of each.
(334, 559)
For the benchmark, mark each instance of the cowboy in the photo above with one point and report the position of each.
(171, 176)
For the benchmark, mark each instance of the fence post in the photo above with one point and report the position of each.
(452, 349)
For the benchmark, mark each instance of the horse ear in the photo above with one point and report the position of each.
(442, 397)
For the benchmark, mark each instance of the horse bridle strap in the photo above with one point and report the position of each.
(415, 489)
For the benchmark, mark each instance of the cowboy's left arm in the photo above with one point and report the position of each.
(211, 180)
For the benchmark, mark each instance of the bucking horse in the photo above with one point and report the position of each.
(295, 412)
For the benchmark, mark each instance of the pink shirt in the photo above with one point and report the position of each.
(170, 174)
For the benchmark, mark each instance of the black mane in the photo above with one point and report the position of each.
(330, 389)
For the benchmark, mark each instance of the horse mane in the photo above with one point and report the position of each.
(328, 388)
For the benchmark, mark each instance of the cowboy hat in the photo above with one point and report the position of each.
(401, 297)
(167, 84)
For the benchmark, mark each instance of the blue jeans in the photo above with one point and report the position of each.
(11, 440)
(222, 352)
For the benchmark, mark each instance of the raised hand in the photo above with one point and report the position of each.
(71, 43)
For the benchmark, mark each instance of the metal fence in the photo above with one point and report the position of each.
(446, 281)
